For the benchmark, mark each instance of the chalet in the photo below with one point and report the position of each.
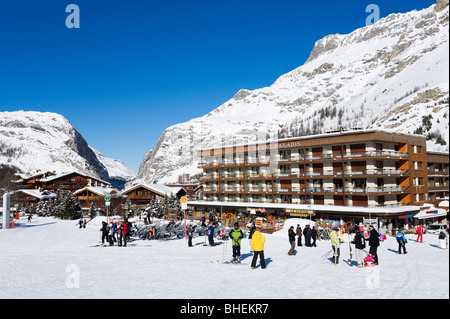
(191, 189)
(30, 198)
(142, 194)
(96, 195)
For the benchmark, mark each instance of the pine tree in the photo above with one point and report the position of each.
(92, 211)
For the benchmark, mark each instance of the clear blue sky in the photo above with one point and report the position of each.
(136, 67)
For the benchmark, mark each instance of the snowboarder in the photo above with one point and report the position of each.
(236, 235)
(419, 230)
(211, 234)
(257, 244)
(299, 233)
(401, 241)
(360, 244)
(291, 235)
(374, 242)
(335, 244)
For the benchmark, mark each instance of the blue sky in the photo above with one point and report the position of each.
(136, 67)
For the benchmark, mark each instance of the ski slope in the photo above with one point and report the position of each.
(41, 259)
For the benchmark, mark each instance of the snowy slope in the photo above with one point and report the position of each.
(388, 75)
(40, 259)
(34, 141)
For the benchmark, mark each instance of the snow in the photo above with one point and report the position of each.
(40, 260)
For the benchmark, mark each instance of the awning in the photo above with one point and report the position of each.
(431, 213)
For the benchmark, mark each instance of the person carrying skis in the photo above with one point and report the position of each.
(419, 230)
(401, 240)
(360, 244)
(291, 235)
(257, 244)
(335, 243)
(374, 242)
(236, 235)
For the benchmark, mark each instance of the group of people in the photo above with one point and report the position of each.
(121, 229)
(309, 234)
(360, 244)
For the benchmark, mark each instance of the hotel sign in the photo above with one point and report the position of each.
(300, 212)
(271, 146)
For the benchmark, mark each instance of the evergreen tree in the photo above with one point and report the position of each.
(92, 211)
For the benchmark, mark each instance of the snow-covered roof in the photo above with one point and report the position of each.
(37, 194)
(100, 191)
(433, 212)
(322, 208)
(444, 203)
(51, 178)
(157, 188)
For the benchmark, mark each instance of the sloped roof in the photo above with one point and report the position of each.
(157, 188)
(100, 191)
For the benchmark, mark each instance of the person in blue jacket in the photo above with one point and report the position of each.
(401, 241)
(211, 234)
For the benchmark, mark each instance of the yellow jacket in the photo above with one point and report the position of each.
(334, 238)
(258, 241)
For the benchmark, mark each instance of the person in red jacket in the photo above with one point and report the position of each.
(419, 230)
(123, 230)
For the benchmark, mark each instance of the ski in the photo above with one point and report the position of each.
(350, 246)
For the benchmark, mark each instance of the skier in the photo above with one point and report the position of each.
(335, 243)
(419, 230)
(236, 235)
(114, 229)
(29, 218)
(360, 244)
(80, 222)
(374, 242)
(257, 243)
(111, 234)
(299, 233)
(291, 235)
(401, 241)
(211, 234)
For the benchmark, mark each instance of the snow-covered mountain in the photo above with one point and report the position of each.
(390, 75)
(31, 141)
(116, 168)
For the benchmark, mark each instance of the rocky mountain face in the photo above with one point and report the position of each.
(31, 141)
(390, 75)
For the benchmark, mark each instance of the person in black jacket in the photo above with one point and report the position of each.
(105, 232)
(291, 235)
(314, 236)
(374, 242)
(360, 244)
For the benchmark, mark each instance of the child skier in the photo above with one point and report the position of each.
(401, 241)
(236, 235)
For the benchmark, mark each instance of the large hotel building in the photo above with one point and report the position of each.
(361, 170)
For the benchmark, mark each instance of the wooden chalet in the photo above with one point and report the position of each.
(96, 195)
(30, 198)
(141, 195)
